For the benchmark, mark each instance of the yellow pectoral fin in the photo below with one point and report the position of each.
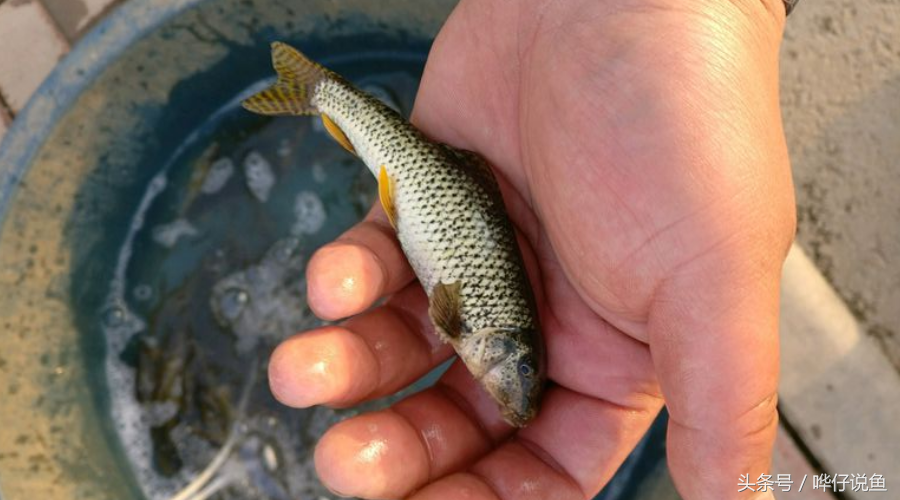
(337, 133)
(386, 195)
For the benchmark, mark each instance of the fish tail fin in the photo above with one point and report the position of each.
(293, 92)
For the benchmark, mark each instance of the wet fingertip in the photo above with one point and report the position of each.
(284, 381)
(377, 455)
(343, 280)
(458, 485)
(326, 366)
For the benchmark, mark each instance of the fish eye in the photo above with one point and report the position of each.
(524, 369)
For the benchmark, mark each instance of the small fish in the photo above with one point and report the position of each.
(446, 207)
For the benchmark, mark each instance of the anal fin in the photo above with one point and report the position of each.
(386, 195)
(335, 131)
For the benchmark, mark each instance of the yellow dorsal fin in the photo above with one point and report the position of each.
(292, 93)
(337, 133)
(386, 195)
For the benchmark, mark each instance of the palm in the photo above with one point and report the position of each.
(635, 179)
(598, 131)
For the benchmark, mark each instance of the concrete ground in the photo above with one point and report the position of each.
(840, 83)
(35, 35)
(840, 391)
(841, 102)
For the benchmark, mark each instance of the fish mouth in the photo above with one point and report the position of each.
(508, 405)
(517, 419)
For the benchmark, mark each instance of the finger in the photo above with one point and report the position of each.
(390, 453)
(716, 352)
(587, 354)
(348, 275)
(459, 485)
(371, 355)
(571, 451)
(573, 447)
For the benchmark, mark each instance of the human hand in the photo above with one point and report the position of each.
(640, 151)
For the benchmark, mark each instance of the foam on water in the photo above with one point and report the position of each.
(168, 235)
(217, 176)
(130, 418)
(119, 324)
(154, 188)
(266, 299)
(259, 175)
(284, 148)
(159, 412)
(182, 322)
(318, 173)
(309, 214)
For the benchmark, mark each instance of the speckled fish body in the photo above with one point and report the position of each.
(446, 207)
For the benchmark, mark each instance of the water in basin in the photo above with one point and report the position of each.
(210, 277)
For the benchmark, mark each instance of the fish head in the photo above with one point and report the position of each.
(515, 378)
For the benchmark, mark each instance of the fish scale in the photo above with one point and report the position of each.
(437, 201)
(448, 212)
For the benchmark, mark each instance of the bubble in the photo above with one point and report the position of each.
(217, 263)
(192, 447)
(260, 177)
(318, 173)
(230, 304)
(284, 148)
(309, 213)
(168, 235)
(284, 250)
(113, 317)
(265, 300)
(259, 478)
(142, 292)
(270, 458)
(217, 176)
(157, 184)
(157, 413)
(119, 324)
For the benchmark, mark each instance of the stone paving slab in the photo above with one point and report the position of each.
(32, 46)
(73, 16)
(838, 390)
(788, 459)
(840, 96)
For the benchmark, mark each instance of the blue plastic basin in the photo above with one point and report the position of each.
(107, 152)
